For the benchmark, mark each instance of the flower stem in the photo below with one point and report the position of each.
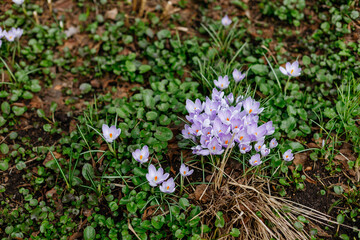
(286, 86)
(181, 184)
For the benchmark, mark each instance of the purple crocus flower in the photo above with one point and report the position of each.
(258, 146)
(168, 186)
(273, 143)
(225, 140)
(215, 148)
(222, 82)
(255, 160)
(219, 127)
(264, 151)
(211, 107)
(110, 133)
(141, 155)
(225, 116)
(195, 129)
(192, 107)
(237, 125)
(242, 137)
(292, 70)
(238, 76)
(10, 35)
(255, 132)
(217, 95)
(186, 133)
(288, 156)
(184, 170)
(226, 21)
(251, 106)
(230, 98)
(18, 32)
(18, 2)
(270, 129)
(156, 176)
(244, 148)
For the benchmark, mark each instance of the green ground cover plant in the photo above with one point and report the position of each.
(179, 120)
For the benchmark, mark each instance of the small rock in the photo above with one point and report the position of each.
(111, 14)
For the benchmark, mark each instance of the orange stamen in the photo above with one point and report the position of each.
(141, 157)
(250, 110)
(110, 135)
(156, 178)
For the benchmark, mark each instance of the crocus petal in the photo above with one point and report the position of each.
(283, 71)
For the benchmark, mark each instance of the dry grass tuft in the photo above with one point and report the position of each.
(257, 214)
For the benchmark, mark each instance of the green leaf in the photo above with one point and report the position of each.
(130, 66)
(5, 108)
(298, 226)
(302, 113)
(89, 233)
(296, 146)
(340, 218)
(338, 190)
(88, 171)
(40, 113)
(163, 134)
(179, 234)
(235, 232)
(220, 221)
(158, 221)
(260, 69)
(150, 116)
(4, 148)
(113, 206)
(184, 203)
(306, 60)
(4, 166)
(18, 110)
(144, 68)
(85, 88)
(163, 34)
(330, 113)
(131, 207)
(288, 124)
(354, 15)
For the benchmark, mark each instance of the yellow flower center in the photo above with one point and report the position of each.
(111, 135)
(213, 147)
(255, 161)
(226, 142)
(244, 148)
(141, 156)
(222, 85)
(241, 138)
(259, 147)
(156, 178)
(184, 172)
(292, 70)
(286, 156)
(167, 187)
(250, 110)
(227, 119)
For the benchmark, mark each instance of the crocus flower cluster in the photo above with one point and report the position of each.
(156, 177)
(223, 121)
(12, 35)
